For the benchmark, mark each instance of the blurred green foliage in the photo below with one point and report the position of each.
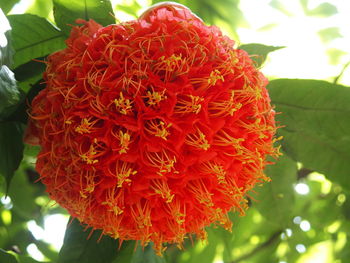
(283, 225)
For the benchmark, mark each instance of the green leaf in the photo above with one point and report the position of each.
(79, 247)
(9, 94)
(145, 255)
(25, 259)
(280, 7)
(258, 52)
(40, 7)
(11, 148)
(23, 193)
(33, 37)
(28, 74)
(329, 34)
(6, 257)
(316, 119)
(276, 198)
(67, 11)
(6, 5)
(323, 10)
(335, 56)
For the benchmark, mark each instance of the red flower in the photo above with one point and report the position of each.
(153, 128)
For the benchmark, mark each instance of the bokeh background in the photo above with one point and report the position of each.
(299, 217)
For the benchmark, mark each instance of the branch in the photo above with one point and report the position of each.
(267, 243)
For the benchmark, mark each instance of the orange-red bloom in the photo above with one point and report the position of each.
(153, 128)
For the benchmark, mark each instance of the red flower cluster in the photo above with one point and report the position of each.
(153, 128)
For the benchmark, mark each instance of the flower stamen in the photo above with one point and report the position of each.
(123, 105)
(198, 140)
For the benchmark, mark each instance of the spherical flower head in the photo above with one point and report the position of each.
(152, 129)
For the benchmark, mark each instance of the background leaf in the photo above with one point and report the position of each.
(9, 94)
(78, 247)
(324, 10)
(275, 199)
(67, 11)
(144, 255)
(6, 257)
(11, 148)
(6, 5)
(258, 52)
(33, 37)
(29, 73)
(316, 119)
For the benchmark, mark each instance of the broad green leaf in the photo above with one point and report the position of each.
(275, 199)
(323, 10)
(25, 259)
(6, 257)
(33, 37)
(11, 148)
(79, 247)
(47, 250)
(18, 112)
(329, 34)
(40, 7)
(28, 74)
(23, 193)
(335, 57)
(315, 116)
(145, 255)
(6, 5)
(67, 11)
(9, 94)
(258, 52)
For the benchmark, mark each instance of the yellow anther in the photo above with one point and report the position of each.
(89, 156)
(123, 171)
(162, 161)
(222, 138)
(201, 193)
(186, 106)
(113, 208)
(171, 66)
(215, 75)
(88, 181)
(161, 187)
(124, 141)
(155, 97)
(84, 127)
(123, 105)
(141, 214)
(180, 218)
(114, 200)
(198, 140)
(171, 62)
(158, 128)
(68, 122)
(224, 107)
(215, 169)
(117, 210)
